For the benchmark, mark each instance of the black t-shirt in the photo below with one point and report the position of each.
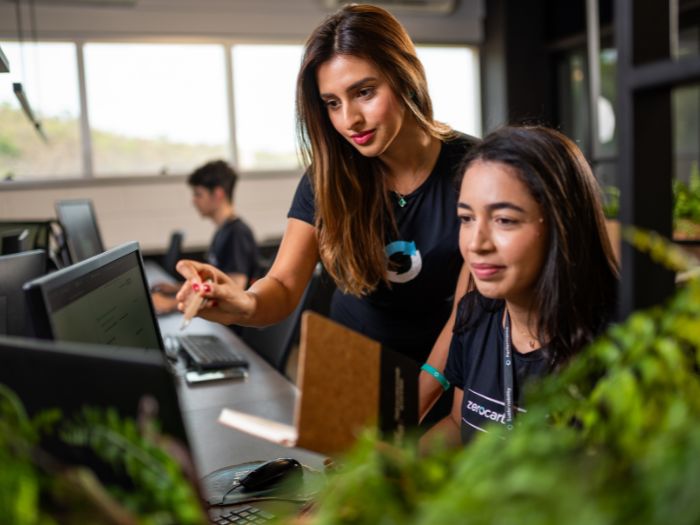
(233, 249)
(475, 362)
(408, 316)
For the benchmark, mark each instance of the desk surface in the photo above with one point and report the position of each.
(265, 393)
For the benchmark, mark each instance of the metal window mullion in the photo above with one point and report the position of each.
(85, 135)
(645, 153)
(673, 28)
(665, 73)
(593, 55)
(231, 104)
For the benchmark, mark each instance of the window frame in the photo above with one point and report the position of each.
(87, 176)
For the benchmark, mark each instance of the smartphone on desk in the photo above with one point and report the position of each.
(201, 376)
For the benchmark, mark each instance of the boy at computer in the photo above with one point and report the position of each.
(233, 248)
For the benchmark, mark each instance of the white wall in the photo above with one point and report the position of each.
(148, 210)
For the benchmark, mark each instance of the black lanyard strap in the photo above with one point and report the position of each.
(507, 368)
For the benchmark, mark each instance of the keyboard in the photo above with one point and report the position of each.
(204, 351)
(243, 515)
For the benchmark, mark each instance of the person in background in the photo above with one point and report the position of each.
(376, 204)
(233, 249)
(544, 276)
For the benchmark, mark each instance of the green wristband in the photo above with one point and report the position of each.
(437, 375)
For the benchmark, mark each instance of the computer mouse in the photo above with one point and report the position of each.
(270, 473)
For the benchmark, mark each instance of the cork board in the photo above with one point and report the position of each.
(339, 381)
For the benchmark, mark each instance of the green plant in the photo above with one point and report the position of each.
(687, 196)
(612, 439)
(686, 210)
(686, 199)
(35, 489)
(611, 201)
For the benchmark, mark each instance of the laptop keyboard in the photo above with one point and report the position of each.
(205, 351)
(244, 515)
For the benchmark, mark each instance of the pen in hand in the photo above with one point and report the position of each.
(192, 308)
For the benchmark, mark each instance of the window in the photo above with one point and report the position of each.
(155, 108)
(165, 108)
(49, 78)
(264, 89)
(453, 82)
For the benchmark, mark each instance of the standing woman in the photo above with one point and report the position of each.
(376, 204)
(533, 236)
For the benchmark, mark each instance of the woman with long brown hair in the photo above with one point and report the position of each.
(544, 276)
(376, 204)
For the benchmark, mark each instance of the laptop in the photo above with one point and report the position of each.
(105, 300)
(73, 376)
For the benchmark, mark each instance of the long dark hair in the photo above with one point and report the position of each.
(353, 211)
(576, 291)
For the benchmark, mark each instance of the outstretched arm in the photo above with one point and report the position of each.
(268, 300)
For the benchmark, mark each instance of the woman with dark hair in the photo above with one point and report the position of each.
(376, 204)
(544, 275)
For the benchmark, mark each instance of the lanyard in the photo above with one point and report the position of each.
(508, 374)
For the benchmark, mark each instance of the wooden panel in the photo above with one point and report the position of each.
(334, 361)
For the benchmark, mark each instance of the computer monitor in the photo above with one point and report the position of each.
(70, 376)
(15, 242)
(80, 227)
(102, 300)
(15, 270)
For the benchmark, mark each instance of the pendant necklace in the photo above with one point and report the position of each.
(400, 199)
(531, 343)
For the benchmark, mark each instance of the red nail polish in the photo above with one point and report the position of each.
(195, 287)
(207, 288)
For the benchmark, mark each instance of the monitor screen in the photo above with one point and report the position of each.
(15, 270)
(70, 376)
(80, 227)
(103, 300)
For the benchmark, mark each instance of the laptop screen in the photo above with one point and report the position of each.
(15, 270)
(103, 300)
(133, 383)
(80, 226)
(69, 376)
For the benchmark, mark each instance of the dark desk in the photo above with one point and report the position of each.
(265, 392)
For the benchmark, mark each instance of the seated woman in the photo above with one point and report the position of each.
(543, 275)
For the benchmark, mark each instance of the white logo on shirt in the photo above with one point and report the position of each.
(416, 263)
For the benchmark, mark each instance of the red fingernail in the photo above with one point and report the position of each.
(207, 288)
(195, 287)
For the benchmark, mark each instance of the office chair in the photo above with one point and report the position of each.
(274, 343)
(267, 251)
(173, 254)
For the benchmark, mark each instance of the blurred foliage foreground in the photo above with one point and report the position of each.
(37, 489)
(615, 438)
